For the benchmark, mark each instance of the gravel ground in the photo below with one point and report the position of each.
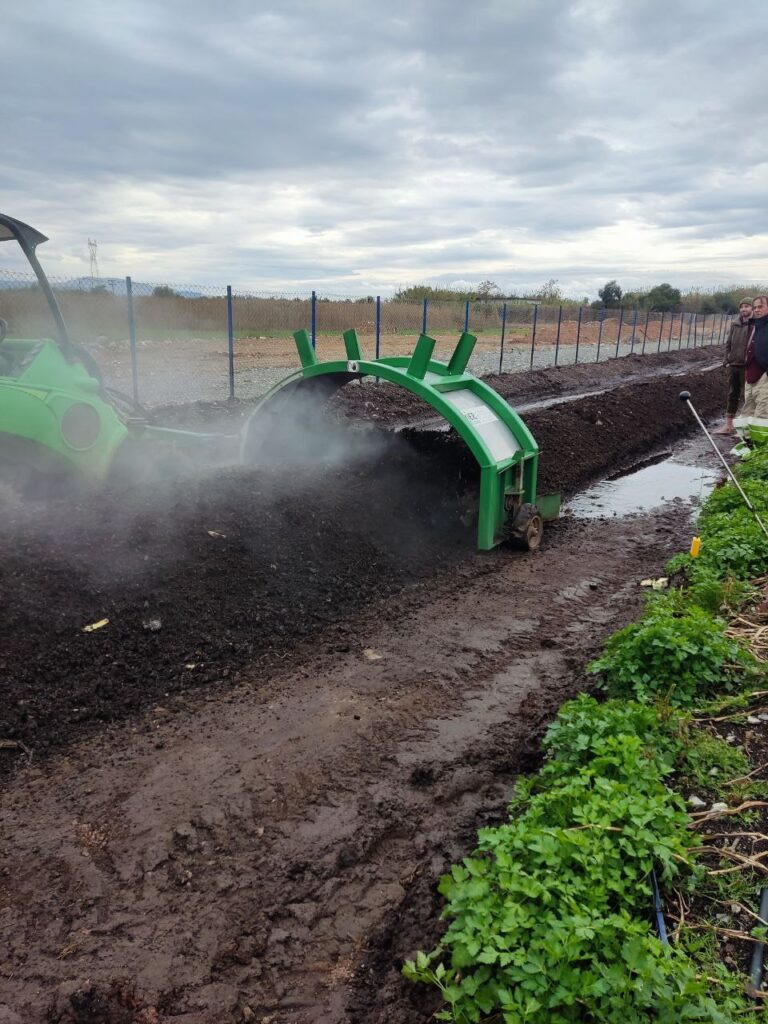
(176, 375)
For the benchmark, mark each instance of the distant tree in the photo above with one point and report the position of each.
(633, 300)
(724, 302)
(551, 292)
(610, 295)
(164, 291)
(99, 289)
(663, 299)
(418, 292)
(487, 290)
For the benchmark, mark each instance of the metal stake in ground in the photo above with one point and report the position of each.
(685, 396)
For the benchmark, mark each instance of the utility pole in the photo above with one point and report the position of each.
(92, 247)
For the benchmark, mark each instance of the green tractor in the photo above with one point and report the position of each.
(59, 422)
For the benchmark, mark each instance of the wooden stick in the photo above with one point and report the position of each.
(743, 778)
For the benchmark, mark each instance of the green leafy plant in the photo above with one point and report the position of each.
(733, 543)
(544, 923)
(548, 919)
(674, 653)
(585, 728)
(756, 468)
(727, 497)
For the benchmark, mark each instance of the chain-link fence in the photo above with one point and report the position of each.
(169, 344)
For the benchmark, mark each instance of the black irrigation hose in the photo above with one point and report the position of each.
(758, 955)
(756, 968)
(658, 909)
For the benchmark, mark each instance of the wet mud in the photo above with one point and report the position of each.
(240, 792)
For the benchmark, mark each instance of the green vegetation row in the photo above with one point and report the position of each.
(550, 918)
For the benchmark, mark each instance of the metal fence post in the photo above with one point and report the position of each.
(503, 332)
(661, 331)
(695, 328)
(688, 332)
(466, 316)
(680, 335)
(557, 339)
(712, 335)
(424, 316)
(533, 336)
(634, 328)
(378, 325)
(314, 319)
(578, 335)
(132, 339)
(231, 343)
(645, 331)
(720, 328)
(600, 334)
(669, 336)
(618, 336)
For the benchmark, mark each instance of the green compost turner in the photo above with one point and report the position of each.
(57, 417)
(503, 446)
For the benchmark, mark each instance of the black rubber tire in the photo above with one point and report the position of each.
(527, 528)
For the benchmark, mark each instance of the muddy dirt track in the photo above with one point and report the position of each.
(307, 699)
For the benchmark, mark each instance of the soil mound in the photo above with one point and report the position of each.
(199, 578)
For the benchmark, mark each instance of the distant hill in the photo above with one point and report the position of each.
(113, 285)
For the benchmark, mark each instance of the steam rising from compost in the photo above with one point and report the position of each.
(305, 473)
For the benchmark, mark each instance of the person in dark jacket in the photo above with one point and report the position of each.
(755, 410)
(735, 357)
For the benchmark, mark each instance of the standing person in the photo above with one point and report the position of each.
(755, 410)
(735, 357)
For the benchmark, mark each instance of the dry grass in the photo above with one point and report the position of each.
(94, 316)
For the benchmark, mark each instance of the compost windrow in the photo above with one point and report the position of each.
(197, 579)
(379, 402)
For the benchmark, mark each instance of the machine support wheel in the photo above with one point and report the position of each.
(527, 528)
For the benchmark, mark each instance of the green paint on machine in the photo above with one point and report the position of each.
(58, 418)
(503, 447)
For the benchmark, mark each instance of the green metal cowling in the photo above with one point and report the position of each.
(500, 442)
(68, 421)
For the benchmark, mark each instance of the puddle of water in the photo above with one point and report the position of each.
(646, 489)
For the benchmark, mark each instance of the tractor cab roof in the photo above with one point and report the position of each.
(29, 238)
(11, 229)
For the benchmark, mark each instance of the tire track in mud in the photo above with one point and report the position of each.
(277, 852)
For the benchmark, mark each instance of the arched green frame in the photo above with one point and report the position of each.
(502, 445)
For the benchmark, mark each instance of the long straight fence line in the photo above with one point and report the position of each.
(166, 344)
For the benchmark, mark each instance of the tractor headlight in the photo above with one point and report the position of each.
(80, 426)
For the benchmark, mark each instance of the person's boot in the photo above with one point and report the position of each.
(727, 427)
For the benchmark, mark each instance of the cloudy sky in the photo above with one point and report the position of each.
(356, 146)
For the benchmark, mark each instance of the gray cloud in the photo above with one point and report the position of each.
(350, 143)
